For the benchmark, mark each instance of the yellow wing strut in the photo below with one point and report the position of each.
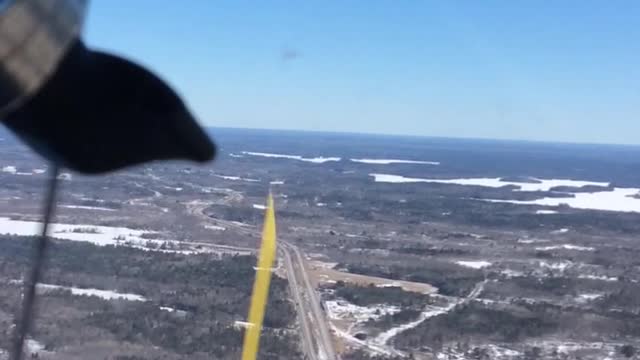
(261, 284)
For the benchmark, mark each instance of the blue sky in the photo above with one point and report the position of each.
(535, 70)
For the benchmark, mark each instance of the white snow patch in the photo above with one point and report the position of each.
(429, 312)
(539, 185)
(315, 160)
(532, 241)
(235, 155)
(97, 235)
(320, 204)
(341, 309)
(598, 277)
(236, 178)
(560, 231)
(588, 297)
(474, 264)
(391, 284)
(277, 182)
(618, 199)
(352, 339)
(498, 352)
(39, 171)
(394, 161)
(33, 346)
(566, 247)
(510, 273)
(242, 324)
(562, 266)
(215, 227)
(86, 207)
(103, 294)
(259, 206)
(546, 212)
(10, 169)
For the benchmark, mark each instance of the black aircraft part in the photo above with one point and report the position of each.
(100, 113)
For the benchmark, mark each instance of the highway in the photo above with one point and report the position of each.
(316, 339)
(325, 343)
(307, 339)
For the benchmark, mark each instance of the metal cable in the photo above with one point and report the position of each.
(23, 324)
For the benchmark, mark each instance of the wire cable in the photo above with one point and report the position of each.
(23, 325)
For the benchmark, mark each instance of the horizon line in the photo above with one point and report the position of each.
(441, 137)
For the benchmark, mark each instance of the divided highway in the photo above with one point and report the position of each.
(316, 339)
(309, 303)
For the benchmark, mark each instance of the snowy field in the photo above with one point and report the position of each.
(565, 247)
(102, 294)
(97, 235)
(236, 178)
(81, 207)
(341, 310)
(393, 161)
(315, 160)
(613, 199)
(474, 264)
(535, 185)
(618, 199)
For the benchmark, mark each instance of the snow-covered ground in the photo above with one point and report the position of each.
(341, 309)
(215, 227)
(277, 182)
(315, 160)
(510, 273)
(9, 169)
(394, 161)
(532, 241)
(82, 207)
(391, 284)
(588, 297)
(598, 277)
(33, 346)
(474, 264)
(613, 199)
(236, 178)
(546, 212)
(172, 310)
(103, 294)
(429, 312)
(559, 265)
(565, 247)
(259, 206)
(618, 199)
(97, 235)
(538, 185)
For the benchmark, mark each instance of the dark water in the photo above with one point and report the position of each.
(619, 164)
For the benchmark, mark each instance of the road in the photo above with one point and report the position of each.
(323, 340)
(315, 336)
(306, 337)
